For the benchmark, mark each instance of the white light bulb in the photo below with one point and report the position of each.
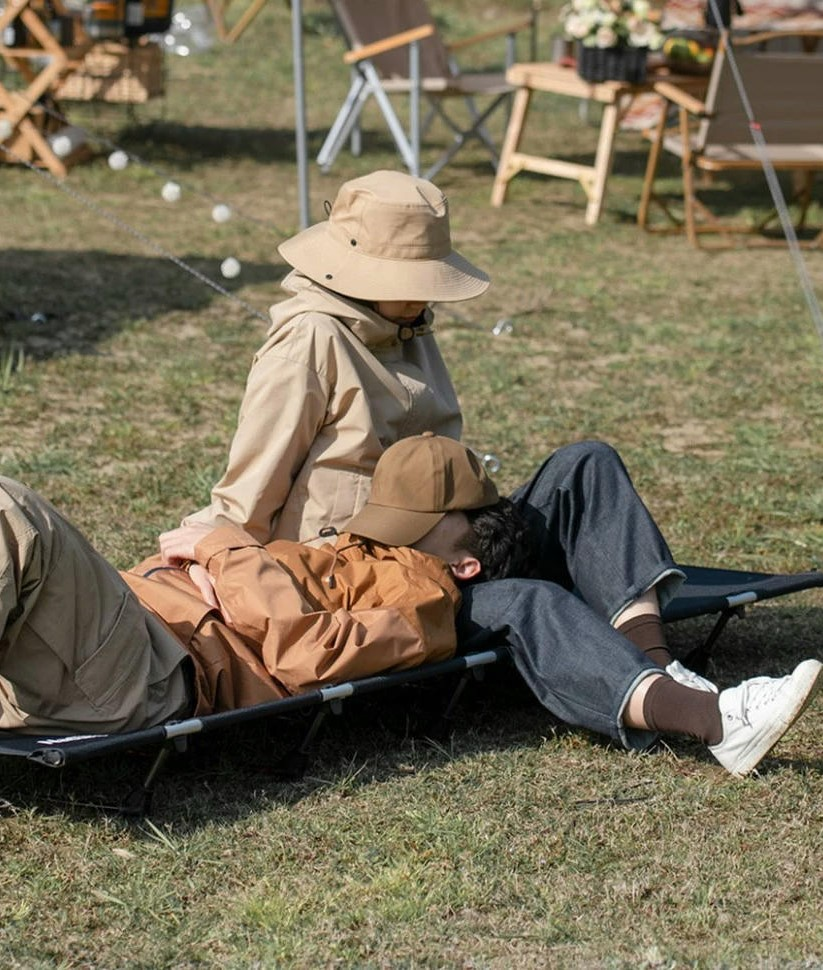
(171, 192)
(118, 160)
(221, 213)
(61, 146)
(5, 129)
(230, 267)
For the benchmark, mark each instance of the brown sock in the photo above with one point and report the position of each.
(671, 708)
(646, 633)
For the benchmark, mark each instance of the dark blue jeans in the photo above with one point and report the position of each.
(597, 549)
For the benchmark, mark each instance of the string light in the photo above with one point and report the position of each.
(67, 140)
(150, 243)
(230, 267)
(118, 160)
(171, 192)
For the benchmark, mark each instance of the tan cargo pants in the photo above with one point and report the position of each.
(78, 652)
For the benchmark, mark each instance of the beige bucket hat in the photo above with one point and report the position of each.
(416, 482)
(387, 238)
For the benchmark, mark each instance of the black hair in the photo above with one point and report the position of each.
(499, 539)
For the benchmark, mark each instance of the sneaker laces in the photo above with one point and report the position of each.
(750, 699)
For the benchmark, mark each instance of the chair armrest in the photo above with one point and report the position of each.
(388, 43)
(504, 30)
(764, 36)
(671, 92)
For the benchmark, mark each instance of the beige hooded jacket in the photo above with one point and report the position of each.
(332, 387)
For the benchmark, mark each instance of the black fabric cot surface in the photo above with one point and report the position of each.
(706, 591)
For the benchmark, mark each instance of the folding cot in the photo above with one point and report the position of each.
(722, 593)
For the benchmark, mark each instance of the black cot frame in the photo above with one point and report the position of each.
(724, 593)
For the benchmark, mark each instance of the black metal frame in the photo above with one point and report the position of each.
(706, 591)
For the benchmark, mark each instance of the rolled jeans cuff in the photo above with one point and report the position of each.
(635, 739)
(667, 582)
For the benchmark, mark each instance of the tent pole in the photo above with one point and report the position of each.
(300, 112)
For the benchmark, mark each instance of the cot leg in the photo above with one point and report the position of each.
(445, 723)
(138, 801)
(293, 764)
(698, 659)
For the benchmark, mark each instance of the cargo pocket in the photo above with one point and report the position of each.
(119, 666)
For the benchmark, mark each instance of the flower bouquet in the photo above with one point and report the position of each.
(613, 37)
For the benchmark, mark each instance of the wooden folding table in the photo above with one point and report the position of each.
(556, 78)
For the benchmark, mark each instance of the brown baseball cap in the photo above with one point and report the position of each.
(416, 482)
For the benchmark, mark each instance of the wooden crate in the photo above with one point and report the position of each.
(114, 71)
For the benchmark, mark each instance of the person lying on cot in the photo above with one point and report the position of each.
(351, 365)
(85, 649)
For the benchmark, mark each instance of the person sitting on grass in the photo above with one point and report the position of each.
(87, 649)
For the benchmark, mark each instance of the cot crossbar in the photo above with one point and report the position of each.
(56, 751)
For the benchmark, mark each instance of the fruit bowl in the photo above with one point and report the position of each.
(691, 53)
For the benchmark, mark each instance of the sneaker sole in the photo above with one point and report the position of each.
(808, 677)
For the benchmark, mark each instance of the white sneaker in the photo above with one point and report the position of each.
(688, 678)
(758, 712)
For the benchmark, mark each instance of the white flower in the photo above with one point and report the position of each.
(577, 27)
(608, 23)
(644, 34)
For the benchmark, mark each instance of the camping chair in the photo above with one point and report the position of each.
(722, 593)
(219, 11)
(395, 48)
(41, 61)
(714, 135)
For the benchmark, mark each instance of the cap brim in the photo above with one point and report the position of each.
(392, 527)
(318, 255)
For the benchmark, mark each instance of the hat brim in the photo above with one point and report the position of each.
(317, 254)
(392, 527)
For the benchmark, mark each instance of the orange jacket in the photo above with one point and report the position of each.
(301, 616)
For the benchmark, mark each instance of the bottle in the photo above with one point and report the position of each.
(135, 18)
(155, 17)
(105, 19)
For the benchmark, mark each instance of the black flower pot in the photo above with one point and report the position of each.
(621, 63)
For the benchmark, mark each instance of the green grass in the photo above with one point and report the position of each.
(515, 842)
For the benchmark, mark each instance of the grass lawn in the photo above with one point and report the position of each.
(514, 842)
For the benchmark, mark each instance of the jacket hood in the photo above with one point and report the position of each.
(369, 327)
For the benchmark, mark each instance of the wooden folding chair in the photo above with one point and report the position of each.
(41, 62)
(715, 136)
(396, 49)
(228, 31)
